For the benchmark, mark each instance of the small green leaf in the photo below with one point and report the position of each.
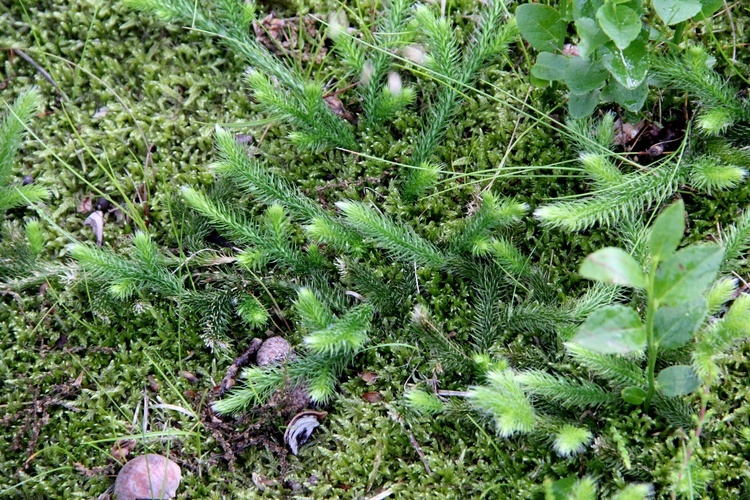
(621, 23)
(632, 100)
(612, 330)
(582, 105)
(583, 75)
(591, 36)
(687, 274)
(550, 67)
(675, 326)
(676, 11)
(677, 380)
(541, 26)
(634, 395)
(630, 65)
(614, 266)
(667, 231)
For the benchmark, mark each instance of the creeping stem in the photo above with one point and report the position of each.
(651, 342)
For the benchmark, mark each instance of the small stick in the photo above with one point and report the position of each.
(337, 92)
(41, 71)
(244, 359)
(413, 442)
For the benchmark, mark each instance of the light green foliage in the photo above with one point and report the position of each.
(565, 391)
(723, 112)
(423, 402)
(454, 72)
(371, 64)
(620, 197)
(504, 400)
(331, 343)
(570, 440)
(612, 60)
(12, 129)
(399, 241)
(145, 270)
(299, 102)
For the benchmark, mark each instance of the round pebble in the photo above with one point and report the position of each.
(148, 476)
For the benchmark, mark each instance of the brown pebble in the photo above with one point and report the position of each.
(148, 476)
(273, 351)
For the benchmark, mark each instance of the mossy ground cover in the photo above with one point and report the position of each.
(131, 117)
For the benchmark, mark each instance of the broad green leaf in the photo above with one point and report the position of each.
(632, 100)
(550, 67)
(676, 11)
(634, 395)
(586, 8)
(541, 26)
(582, 105)
(687, 274)
(677, 380)
(591, 36)
(615, 266)
(583, 76)
(621, 23)
(630, 65)
(675, 326)
(667, 231)
(612, 330)
(709, 7)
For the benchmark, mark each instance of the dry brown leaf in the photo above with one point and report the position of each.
(372, 397)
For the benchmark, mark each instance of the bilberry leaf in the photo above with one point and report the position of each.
(583, 75)
(621, 23)
(676, 11)
(633, 395)
(550, 67)
(629, 65)
(667, 231)
(632, 100)
(614, 266)
(612, 330)
(677, 380)
(541, 26)
(675, 326)
(582, 105)
(591, 35)
(687, 274)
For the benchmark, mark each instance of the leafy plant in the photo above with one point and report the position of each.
(18, 252)
(675, 306)
(610, 60)
(679, 293)
(12, 130)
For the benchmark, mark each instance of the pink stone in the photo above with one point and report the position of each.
(133, 480)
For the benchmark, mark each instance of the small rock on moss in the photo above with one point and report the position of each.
(148, 476)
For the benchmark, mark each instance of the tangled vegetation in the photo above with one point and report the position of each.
(506, 240)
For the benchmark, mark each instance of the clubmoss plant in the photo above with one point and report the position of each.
(712, 161)
(18, 254)
(300, 103)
